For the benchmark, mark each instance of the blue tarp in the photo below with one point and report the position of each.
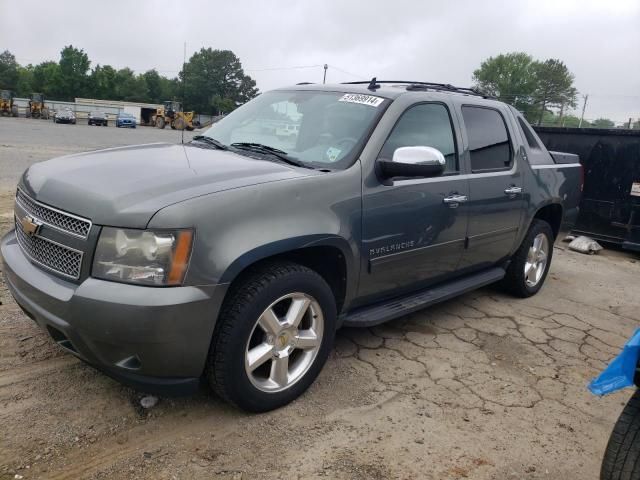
(620, 372)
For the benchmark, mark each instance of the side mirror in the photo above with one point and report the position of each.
(413, 162)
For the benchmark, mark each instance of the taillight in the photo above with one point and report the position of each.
(581, 178)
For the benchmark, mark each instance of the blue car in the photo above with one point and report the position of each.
(125, 120)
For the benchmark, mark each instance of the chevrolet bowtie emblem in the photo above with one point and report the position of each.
(30, 225)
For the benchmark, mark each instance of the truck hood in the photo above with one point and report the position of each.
(126, 186)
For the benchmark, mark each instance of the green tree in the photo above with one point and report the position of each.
(554, 86)
(130, 87)
(510, 77)
(533, 87)
(153, 82)
(74, 68)
(47, 80)
(603, 123)
(102, 82)
(8, 71)
(24, 88)
(215, 82)
(574, 122)
(168, 88)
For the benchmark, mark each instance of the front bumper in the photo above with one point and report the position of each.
(154, 339)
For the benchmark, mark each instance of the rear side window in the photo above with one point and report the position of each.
(528, 134)
(489, 146)
(427, 125)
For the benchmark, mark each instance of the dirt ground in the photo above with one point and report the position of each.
(484, 387)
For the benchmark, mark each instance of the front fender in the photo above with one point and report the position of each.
(287, 245)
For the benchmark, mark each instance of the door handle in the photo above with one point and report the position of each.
(513, 191)
(454, 200)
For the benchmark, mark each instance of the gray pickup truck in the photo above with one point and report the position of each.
(233, 259)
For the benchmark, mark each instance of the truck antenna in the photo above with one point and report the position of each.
(184, 78)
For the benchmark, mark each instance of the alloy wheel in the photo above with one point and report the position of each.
(284, 342)
(537, 259)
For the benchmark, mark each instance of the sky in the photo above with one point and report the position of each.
(437, 41)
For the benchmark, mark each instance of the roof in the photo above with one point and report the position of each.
(389, 89)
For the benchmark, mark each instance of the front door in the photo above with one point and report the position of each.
(414, 229)
(495, 188)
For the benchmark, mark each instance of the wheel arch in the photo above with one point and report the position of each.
(552, 214)
(330, 257)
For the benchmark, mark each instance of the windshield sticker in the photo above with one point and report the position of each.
(333, 154)
(362, 99)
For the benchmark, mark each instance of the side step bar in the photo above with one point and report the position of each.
(397, 307)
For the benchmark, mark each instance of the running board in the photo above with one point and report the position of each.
(383, 312)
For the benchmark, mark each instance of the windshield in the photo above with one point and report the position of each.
(323, 129)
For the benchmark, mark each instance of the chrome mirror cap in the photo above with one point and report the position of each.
(419, 155)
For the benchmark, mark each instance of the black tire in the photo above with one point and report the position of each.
(622, 455)
(514, 281)
(245, 303)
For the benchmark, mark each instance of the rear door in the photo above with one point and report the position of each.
(495, 185)
(413, 236)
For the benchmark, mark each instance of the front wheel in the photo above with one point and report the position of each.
(622, 455)
(530, 264)
(273, 336)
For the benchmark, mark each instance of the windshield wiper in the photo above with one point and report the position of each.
(266, 149)
(210, 141)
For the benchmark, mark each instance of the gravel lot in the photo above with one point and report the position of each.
(483, 386)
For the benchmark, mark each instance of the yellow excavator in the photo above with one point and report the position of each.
(171, 114)
(36, 108)
(7, 107)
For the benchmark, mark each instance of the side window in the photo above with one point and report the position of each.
(489, 145)
(528, 134)
(427, 125)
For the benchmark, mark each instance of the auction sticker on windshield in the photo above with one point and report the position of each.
(362, 99)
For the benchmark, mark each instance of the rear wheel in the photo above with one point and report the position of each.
(273, 336)
(530, 264)
(622, 455)
(160, 123)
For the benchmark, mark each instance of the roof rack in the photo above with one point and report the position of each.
(374, 84)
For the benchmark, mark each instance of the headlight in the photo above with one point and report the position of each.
(143, 256)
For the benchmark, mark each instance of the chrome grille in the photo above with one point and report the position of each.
(58, 219)
(51, 255)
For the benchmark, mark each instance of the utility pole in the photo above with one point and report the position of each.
(324, 79)
(584, 107)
